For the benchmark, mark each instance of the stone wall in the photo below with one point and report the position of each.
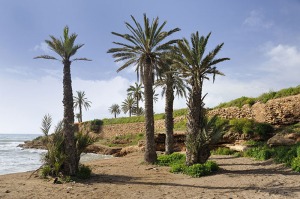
(113, 130)
(282, 111)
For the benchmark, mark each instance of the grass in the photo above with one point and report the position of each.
(222, 151)
(288, 155)
(265, 97)
(176, 162)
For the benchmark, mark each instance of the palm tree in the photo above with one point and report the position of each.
(81, 101)
(137, 93)
(144, 49)
(115, 109)
(195, 68)
(170, 83)
(66, 48)
(129, 105)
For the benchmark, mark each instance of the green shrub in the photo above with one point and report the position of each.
(178, 168)
(222, 151)
(285, 154)
(177, 163)
(259, 153)
(263, 129)
(84, 172)
(198, 170)
(168, 160)
(45, 171)
(242, 125)
(296, 164)
(96, 125)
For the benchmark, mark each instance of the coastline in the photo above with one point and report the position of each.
(127, 177)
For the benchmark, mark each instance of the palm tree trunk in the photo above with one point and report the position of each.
(150, 149)
(80, 112)
(196, 152)
(169, 122)
(71, 162)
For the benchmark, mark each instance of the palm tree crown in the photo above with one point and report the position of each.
(129, 105)
(81, 101)
(115, 109)
(136, 92)
(64, 47)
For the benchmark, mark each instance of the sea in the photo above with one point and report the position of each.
(14, 159)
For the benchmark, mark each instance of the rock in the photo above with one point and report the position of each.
(127, 150)
(236, 147)
(280, 140)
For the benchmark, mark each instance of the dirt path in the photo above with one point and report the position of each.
(127, 178)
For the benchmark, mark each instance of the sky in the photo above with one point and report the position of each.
(262, 39)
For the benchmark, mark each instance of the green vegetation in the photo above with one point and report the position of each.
(55, 157)
(177, 163)
(262, 98)
(288, 155)
(250, 127)
(134, 119)
(95, 125)
(222, 151)
(84, 172)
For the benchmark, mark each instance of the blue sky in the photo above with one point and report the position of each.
(262, 38)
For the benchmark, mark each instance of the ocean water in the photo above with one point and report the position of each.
(14, 159)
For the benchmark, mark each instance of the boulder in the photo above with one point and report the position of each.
(280, 140)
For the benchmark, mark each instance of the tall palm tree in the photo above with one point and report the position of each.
(81, 101)
(170, 83)
(129, 105)
(144, 48)
(115, 109)
(195, 67)
(137, 93)
(66, 48)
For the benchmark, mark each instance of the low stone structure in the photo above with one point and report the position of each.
(281, 111)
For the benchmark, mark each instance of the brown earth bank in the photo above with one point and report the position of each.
(127, 177)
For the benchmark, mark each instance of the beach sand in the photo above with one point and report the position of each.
(127, 177)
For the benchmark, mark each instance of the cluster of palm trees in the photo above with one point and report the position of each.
(177, 66)
(131, 104)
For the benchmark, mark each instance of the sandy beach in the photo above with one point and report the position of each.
(127, 177)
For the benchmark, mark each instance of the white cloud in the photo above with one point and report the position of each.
(256, 19)
(26, 101)
(42, 47)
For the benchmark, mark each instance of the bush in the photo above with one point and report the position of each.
(177, 163)
(84, 172)
(168, 160)
(259, 153)
(178, 168)
(96, 125)
(45, 171)
(222, 151)
(242, 125)
(285, 154)
(198, 170)
(296, 164)
(263, 129)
